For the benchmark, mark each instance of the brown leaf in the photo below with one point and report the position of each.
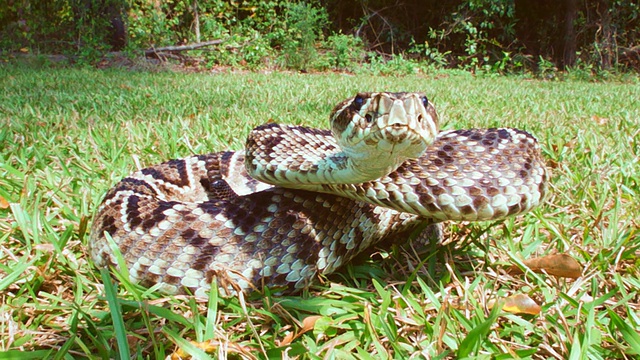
(4, 204)
(211, 346)
(571, 143)
(560, 265)
(517, 304)
(309, 322)
(206, 346)
(307, 325)
(599, 120)
(521, 304)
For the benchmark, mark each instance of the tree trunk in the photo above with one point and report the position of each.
(196, 20)
(569, 48)
(605, 38)
(117, 24)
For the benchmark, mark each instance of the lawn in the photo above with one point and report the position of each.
(68, 135)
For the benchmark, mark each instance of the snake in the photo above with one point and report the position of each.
(298, 203)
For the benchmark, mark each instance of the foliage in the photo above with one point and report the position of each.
(497, 35)
(484, 27)
(396, 64)
(431, 54)
(81, 27)
(341, 52)
(480, 36)
(304, 25)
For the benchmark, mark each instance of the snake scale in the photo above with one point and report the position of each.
(299, 202)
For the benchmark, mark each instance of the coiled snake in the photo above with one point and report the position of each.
(182, 223)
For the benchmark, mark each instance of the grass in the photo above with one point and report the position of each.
(67, 135)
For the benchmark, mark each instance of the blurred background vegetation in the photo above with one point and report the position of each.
(497, 36)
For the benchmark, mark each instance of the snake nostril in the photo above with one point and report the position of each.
(368, 117)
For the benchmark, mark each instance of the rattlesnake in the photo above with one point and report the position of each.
(183, 223)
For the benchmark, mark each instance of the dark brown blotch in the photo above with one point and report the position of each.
(514, 209)
(172, 171)
(524, 174)
(467, 210)
(133, 211)
(492, 191)
(207, 254)
(108, 225)
(173, 280)
(504, 134)
(480, 201)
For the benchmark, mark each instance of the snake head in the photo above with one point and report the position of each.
(384, 127)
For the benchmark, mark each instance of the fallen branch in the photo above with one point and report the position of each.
(166, 55)
(170, 49)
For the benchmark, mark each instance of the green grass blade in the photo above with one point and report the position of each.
(475, 337)
(25, 355)
(629, 334)
(212, 311)
(576, 352)
(158, 311)
(16, 272)
(116, 314)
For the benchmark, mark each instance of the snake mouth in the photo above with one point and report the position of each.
(397, 132)
(401, 140)
(404, 132)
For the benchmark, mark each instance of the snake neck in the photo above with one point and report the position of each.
(299, 157)
(346, 168)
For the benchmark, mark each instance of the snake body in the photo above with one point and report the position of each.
(184, 223)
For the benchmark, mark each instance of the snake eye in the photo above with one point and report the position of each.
(425, 101)
(358, 101)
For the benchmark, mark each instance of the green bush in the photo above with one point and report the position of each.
(397, 64)
(304, 25)
(344, 52)
(480, 36)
